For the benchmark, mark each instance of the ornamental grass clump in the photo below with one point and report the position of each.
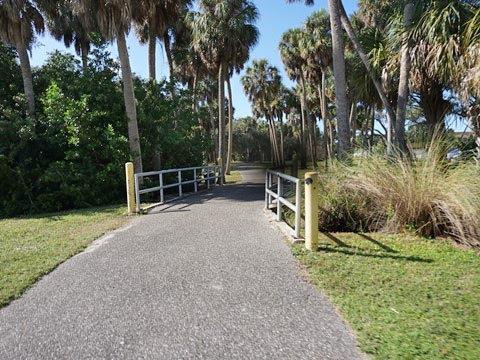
(432, 197)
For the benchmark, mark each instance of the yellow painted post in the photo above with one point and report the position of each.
(220, 163)
(311, 211)
(129, 173)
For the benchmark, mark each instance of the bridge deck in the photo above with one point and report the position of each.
(204, 277)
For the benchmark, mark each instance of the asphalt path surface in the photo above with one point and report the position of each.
(206, 277)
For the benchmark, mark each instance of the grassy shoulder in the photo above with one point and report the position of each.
(31, 247)
(405, 297)
(234, 177)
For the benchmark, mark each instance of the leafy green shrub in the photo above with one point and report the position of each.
(72, 153)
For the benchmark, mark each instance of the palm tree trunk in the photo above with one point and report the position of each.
(405, 65)
(282, 144)
(194, 90)
(221, 115)
(338, 50)
(130, 107)
(311, 139)
(152, 48)
(331, 138)
(26, 71)
(213, 128)
(168, 51)
(304, 129)
(353, 122)
(272, 145)
(230, 126)
(84, 50)
(303, 153)
(323, 110)
(372, 135)
(273, 131)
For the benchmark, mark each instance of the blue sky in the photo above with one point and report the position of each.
(276, 16)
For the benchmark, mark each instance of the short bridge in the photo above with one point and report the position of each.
(204, 276)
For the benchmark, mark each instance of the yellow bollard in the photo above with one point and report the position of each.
(129, 173)
(311, 211)
(220, 163)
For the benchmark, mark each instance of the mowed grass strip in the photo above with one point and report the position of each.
(31, 247)
(405, 297)
(233, 178)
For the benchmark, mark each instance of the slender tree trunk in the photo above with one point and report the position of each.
(323, 110)
(311, 137)
(152, 48)
(168, 51)
(372, 135)
(331, 138)
(338, 50)
(303, 152)
(282, 144)
(273, 132)
(230, 126)
(221, 114)
(130, 102)
(304, 109)
(353, 122)
(84, 55)
(405, 66)
(26, 71)
(272, 145)
(194, 90)
(213, 132)
(308, 121)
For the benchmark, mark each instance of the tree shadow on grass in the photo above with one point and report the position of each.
(378, 243)
(344, 248)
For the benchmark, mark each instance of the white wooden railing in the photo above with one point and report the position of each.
(276, 191)
(201, 174)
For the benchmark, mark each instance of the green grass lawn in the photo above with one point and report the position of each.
(405, 297)
(33, 246)
(234, 177)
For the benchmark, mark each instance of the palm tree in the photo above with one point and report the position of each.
(316, 48)
(248, 37)
(216, 31)
(64, 25)
(338, 51)
(19, 20)
(113, 19)
(153, 18)
(263, 85)
(437, 48)
(291, 54)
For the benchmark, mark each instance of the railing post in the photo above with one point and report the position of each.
(220, 172)
(279, 203)
(298, 207)
(180, 183)
(311, 211)
(266, 187)
(195, 179)
(130, 181)
(214, 176)
(208, 178)
(161, 185)
(269, 186)
(137, 192)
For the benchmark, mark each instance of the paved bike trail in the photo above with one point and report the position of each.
(206, 277)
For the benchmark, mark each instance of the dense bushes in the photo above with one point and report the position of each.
(72, 153)
(431, 197)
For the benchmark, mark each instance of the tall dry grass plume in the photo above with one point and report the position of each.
(431, 196)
